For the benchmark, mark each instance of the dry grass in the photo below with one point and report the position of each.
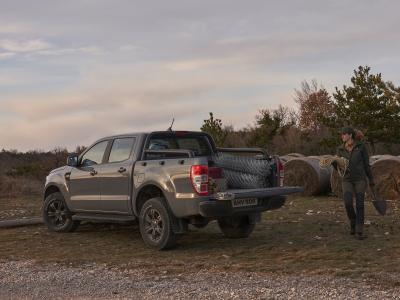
(12, 187)
(308, 235)
(15, 207)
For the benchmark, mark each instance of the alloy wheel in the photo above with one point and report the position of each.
(57, 213)
(153, 224)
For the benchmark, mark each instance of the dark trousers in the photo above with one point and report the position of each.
(356, 188)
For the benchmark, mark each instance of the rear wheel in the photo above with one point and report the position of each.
(236, 227)
(155, 223)
(56, 215)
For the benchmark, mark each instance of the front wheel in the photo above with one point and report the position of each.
(236, 227)
(155, 223)
(56, 215)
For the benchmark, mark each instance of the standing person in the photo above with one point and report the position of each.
(355, 178)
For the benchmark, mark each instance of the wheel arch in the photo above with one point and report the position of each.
(51, 189)
(145, 193)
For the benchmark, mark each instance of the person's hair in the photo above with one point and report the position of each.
(348, 130)
(359, 135)
(356, 134)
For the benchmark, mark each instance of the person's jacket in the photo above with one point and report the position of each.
(359, 167)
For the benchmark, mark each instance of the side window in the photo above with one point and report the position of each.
(121, 149)
(95, 154)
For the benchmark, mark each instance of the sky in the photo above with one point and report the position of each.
(74, 71)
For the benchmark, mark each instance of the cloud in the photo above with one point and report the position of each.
(127, 98)
(40, 47)
(6, 55)
(23, 46)
(72, 73)
(58, 51)
(200, 63)
(129, 47)
(13, 28)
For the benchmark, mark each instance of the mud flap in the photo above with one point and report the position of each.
(179, 226)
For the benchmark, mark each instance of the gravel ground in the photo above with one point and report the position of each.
(28, 280)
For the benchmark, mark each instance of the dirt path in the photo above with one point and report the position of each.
(29, 280)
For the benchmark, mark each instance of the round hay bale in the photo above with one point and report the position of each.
(374, 158)
(285, 158)
(295, 155)
(306, 172)
(386, 173)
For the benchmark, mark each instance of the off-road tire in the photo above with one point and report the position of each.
(155, 222)
(236, 227)
(56, 214)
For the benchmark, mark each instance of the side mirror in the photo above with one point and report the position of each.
(72, 160)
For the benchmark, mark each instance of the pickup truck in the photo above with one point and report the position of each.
(164, 180)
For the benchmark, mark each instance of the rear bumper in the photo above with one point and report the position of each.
(223, 208)
(257, 193)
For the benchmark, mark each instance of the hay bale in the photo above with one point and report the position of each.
(386, 173)
(374, 158)
(295, 155)
(285, 158)
(306, 172)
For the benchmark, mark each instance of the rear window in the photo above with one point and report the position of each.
(197, 143)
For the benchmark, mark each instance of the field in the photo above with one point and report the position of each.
(309, 235)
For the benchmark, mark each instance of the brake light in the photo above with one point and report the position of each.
(199, 179)
(180, 133)
(281, 172)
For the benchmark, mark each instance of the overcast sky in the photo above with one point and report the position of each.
(74, 71)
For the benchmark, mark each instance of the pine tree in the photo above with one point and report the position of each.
(214, 128)
(371, 105)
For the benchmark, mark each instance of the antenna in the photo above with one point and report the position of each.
(170, 127)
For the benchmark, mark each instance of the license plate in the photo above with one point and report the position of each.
(244, 202)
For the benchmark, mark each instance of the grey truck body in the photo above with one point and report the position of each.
(115, 191)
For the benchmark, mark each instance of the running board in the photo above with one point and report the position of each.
(103, 218)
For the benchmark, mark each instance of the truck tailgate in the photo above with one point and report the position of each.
(257, 193)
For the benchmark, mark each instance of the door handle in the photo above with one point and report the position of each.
(122, 170)
(93, 172)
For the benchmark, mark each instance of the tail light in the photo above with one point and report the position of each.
(199, 178)
(281, 171)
